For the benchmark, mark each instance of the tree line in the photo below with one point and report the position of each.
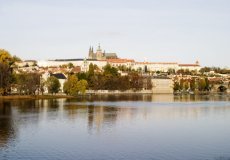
(184, 85)
(111, 79)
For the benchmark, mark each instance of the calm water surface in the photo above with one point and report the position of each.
(151, 127)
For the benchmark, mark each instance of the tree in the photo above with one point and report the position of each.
(205, 69)
(171, 71)
(186, 85)
(27, 83)
(207, 86)
(42, 86)
(5, 71)
(91, 70)
(53, 85)
(5, 57)
(70, 86)
(108, 70)
(70, 65)
(16, 59)
(5, 78)
(182, 81)
(202, 84)
(192, 85)
(136, 81)
(81, 86)
(176, 86)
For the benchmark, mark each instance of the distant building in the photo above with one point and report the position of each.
(162, 85)
(99, 55)
(60, 76)
(190, 67)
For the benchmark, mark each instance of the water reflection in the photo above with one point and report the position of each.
(156, 98)
(151, 117)
(7, 128)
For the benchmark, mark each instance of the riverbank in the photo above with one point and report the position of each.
(35, 97)
(102, 93)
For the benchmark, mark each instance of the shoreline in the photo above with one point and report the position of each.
(37, 97)
(22, 97)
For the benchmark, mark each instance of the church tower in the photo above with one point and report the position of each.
(91, 54)
(99, 54)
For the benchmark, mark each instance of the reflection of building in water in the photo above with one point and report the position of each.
(98, 116)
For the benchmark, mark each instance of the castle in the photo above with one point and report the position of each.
(99, 55)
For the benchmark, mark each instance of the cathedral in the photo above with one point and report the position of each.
(99, 55)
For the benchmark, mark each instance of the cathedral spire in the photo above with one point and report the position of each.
(99, 47)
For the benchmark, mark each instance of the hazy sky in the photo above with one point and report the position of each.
(155, 30)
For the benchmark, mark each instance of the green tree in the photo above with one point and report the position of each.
(109, 70)
(81, 86)
(70, 86)
(53, 85)
(70, 65)
(202, 84)
(91, 70)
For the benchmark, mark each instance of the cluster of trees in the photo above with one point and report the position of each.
(6, 78)
(201, 84)
(53, 85)
(186, 72)
(215, 69)
(26, 83)
(110, 79)
(73, 86)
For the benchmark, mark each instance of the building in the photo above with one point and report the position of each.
(101, 58)
(162, 85)
(100, 55)
(60, 76)
(190, 67)
(155, 66)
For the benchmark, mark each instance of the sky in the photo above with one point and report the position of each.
(180, 31)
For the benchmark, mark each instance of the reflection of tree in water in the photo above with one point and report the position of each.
(26, 106)
(152, 97)
(116, 97)
(97, 116)
(211, 97)
(7, 128)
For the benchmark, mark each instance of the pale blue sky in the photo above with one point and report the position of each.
(157, 30)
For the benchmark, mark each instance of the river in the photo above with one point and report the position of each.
(117, 127)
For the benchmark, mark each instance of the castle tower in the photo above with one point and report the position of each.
(91, 54)
(99, 54)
